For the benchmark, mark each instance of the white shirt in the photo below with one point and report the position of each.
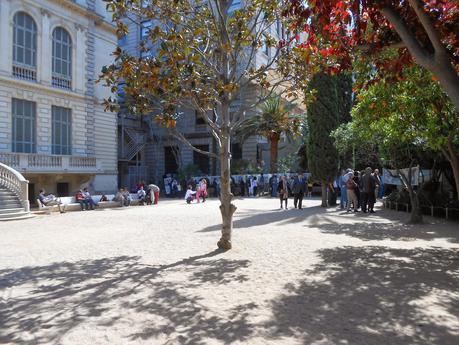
(189, 193)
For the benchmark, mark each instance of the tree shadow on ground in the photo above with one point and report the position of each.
(42, 304)
(391, 231)
(373, 295)
(251, 218)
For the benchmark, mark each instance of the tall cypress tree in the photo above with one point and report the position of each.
(323, 117)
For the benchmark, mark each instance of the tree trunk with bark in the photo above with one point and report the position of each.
(227, 208)
(324, 194)
(453, 159)
(273, 151)
(416, 212)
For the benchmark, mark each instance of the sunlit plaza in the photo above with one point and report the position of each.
(152, 275)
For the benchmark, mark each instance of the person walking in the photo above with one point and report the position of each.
(299, 188)
(283, 191)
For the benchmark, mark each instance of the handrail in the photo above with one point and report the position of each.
(14, 181)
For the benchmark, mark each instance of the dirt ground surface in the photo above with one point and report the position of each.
(151, 275)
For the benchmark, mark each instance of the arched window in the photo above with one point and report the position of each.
(24, 47)
(62, 58)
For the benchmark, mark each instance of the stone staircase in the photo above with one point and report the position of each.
(14, 200)
(10, 206)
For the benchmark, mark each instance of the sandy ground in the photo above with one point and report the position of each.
(151, 275)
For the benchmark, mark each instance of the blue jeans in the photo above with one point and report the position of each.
(343, 198)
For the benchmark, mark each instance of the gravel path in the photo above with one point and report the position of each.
(151, 275)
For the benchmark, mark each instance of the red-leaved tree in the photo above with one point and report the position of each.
(425, 32)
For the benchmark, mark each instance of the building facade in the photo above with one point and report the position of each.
(156, 153)
(53, 127)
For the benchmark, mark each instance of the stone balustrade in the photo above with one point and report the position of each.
(36, 162)
(14, 181)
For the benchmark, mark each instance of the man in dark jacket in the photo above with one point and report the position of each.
(367, 190)
(300, 186)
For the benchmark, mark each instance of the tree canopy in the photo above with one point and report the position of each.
(423, 32)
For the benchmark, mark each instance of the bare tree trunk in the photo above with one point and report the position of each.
(273, 152)
(324, 194)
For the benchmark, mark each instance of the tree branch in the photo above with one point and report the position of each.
(179, 136)
(416, 50)
(428, 26)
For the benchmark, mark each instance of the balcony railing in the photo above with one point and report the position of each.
(35, 162)
(24, 72)
(62, 81)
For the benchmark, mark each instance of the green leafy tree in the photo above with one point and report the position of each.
(322, 119)
(413, 110)
(273, 119)
(204, 56)
(355, 150)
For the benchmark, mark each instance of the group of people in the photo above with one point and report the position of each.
(297, 186)
(198, 194)
(359, 189)
(147, 196)
(84, 198)
(250, 186)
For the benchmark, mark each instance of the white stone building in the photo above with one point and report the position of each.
(53, 128)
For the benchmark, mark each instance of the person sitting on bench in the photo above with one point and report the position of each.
(51, 200)
(79, 197)
(89, 199)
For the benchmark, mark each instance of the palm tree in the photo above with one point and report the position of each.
(272, 119)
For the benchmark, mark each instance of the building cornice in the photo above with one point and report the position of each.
(97, 18)
(34, 87)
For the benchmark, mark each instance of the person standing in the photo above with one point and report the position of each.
(274, 186)
(202, 190)
(255, 186)
(378, 182)
(283, 189)
(368, 191)
(261, 185)
(357, 188)
(351, 196)
(299, 188)
(342, 188)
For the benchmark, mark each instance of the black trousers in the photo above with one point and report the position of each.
(368, 201)
(298, 199)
